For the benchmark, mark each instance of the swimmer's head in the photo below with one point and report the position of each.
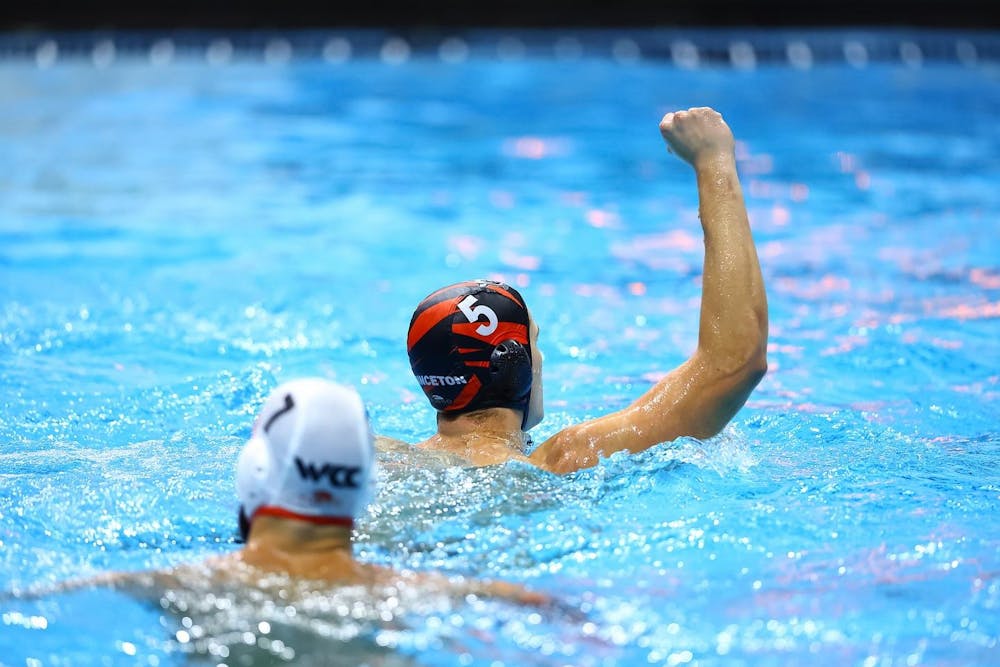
(472, 346)
(311, 456)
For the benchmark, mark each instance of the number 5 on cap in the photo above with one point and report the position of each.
(473, 314)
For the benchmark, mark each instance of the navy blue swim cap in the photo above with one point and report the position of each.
(469, 347)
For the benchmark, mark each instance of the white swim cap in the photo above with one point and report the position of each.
(311, 455)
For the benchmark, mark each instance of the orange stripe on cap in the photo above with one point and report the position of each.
(282, 513)
(504, 331)
(496, 288)
(480, 364)
(467, 394)
(428, 319)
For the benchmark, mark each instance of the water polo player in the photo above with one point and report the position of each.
(473, 346)
(303, 478)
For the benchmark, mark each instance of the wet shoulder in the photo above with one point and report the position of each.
(397, 455)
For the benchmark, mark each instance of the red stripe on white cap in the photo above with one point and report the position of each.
(280, 512)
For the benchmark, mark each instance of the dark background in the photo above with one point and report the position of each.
(140, 14)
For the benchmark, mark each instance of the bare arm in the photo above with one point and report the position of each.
(142, 585)
(700, 396)
(489, 588)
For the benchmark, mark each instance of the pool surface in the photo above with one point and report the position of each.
(185, 224)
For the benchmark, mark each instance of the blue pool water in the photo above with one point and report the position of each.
(177, 237)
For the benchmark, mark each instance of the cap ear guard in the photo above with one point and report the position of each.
(253, 470)
(510, 372)
(243, 524)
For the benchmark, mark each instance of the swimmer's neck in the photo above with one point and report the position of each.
(297, 547)
(483, 437)
(492, 421)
